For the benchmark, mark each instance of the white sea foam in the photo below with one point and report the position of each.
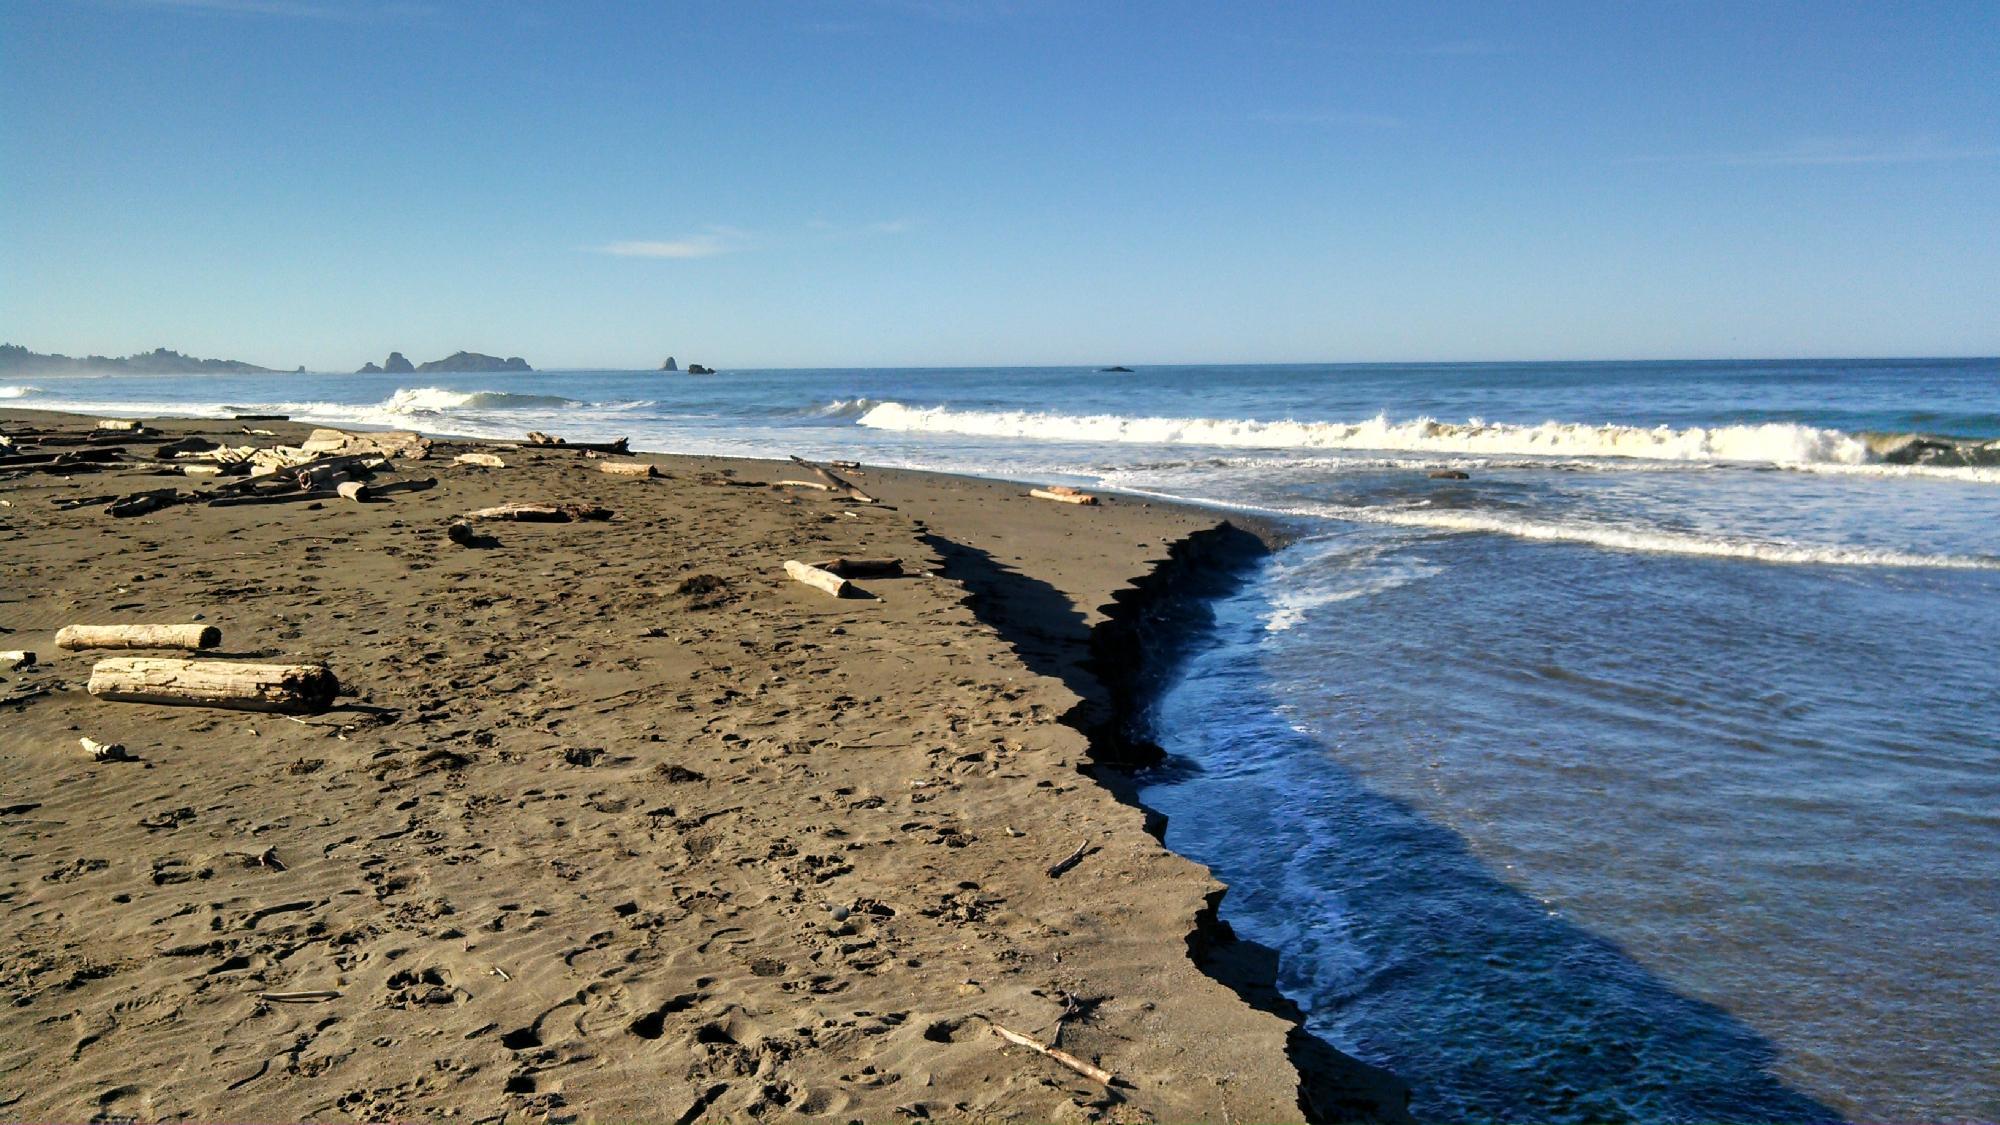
(1776, 443)
(1291, 606)
(1644, 539)
(1655, 540)
(19, 391)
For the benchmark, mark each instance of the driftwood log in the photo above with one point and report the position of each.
(834, 479)
(138, 636)
(352, 490)
(99, 454)
(819, 579)
(622, 445)
(541, 513)
(285, 688)
(143, 503)
(862, 568)
(485, 460)
(628, 468)
(1062, 495)
(120, 424)
(16, 658)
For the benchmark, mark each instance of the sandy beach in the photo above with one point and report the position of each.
(612, 820)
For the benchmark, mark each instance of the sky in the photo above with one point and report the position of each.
(972, 182)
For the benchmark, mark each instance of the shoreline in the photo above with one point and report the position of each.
(914, 761)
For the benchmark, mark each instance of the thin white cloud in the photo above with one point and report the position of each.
(717, 241)
(711, 243)
(1345, 118)
(1824, 152)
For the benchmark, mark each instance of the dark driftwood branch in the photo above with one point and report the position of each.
(834, 479)
(1071, 860)
(544, 441)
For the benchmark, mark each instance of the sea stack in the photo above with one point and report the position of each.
(474, 361)
(397, 365)
(698, 369)
(670, 365)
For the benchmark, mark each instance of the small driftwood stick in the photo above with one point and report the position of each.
(273, 498)
(138, 636)
(834, 479)
(541, 513)
(812, 484)
(1056, 869)
(862, 568)
(1088, 1070)
(628, 468)
(1062, 496)
(819, 579)
(104, 751)
(317, 996)
(302, 688)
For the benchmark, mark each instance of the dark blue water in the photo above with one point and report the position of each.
(1652, 773)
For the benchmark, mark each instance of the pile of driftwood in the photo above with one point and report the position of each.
(328, 465)
(183, 681)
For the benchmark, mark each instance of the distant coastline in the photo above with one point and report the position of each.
(17, 360)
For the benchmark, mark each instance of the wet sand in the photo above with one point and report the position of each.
(613, 821)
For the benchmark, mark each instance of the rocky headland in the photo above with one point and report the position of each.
(17, 360)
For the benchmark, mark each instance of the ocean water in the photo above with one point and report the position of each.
(1652, 773)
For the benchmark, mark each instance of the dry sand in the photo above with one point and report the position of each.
(576, 845)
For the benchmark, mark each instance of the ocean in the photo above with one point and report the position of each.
(1649, 773)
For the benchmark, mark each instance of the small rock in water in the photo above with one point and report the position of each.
(1451, 474)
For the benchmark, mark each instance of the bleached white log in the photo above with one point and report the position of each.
(487, 460)
(1069, 497)
(628, 468)
(138, 636)
(287, 688)
(818, 579)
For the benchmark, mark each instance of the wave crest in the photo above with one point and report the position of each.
(1776, 443)
(19, 391)
(438, 400)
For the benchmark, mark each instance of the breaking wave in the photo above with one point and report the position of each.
(1778, 443)
(19, 392)
(845, 408)
(437, 400)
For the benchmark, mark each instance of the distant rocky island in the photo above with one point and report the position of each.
(670, 365)
(17, 360)
(456, 361)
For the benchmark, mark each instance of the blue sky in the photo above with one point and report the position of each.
(998, 181)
